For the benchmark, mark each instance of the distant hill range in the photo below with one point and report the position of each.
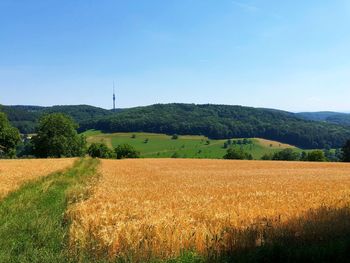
(327, 116)
(305, 130)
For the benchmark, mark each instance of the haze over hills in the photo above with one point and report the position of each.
(305, 130)
(327, 116)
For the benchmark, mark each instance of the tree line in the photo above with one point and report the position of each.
(213, 121)
(26, 118)
(57, 136)
(222, 122)
(289, 154)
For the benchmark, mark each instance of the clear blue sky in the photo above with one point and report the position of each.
(292, 55)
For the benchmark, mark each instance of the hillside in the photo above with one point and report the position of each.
(153, 145)
(213, 121)
(222, 122)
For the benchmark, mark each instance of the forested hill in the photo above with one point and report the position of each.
(25, 118)
(214, 121)
(222, 121)
(327, 116)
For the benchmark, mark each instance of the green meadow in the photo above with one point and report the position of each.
(164, 146)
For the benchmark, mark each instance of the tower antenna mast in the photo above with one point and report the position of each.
(113, 97)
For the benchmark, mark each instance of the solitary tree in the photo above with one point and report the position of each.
(9, 137)
(57, 137)
(346, 152)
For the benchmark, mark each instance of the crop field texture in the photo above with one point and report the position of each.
(156, 208)
(13, 173)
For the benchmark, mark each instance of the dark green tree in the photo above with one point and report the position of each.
(267, 156)
(338, 154)
(175, 137)
(330, 155)
(175, 155)
(57, 137)
(9, 137)
(100, 150)
(303, 156)
(316, 156)
(124, 151)
(346, 152)
(286, 155)
(237, 154)
(25, 148)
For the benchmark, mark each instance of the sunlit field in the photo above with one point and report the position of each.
(144, 209)
(153, 145)
(13, 173)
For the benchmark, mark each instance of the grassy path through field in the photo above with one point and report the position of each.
(32, 222)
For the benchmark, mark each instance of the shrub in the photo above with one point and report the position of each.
(246, 141)
(267, 156)
(303, 156)
(286, 155)
(124, 151)
(100, 150)
(316, 156)
(175, 155)
(332, 156)
(237, 154)
(175, 137)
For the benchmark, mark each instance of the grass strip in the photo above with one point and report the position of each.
(32, 219)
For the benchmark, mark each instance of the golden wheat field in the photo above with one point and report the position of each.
(143, 208)
(13, 173)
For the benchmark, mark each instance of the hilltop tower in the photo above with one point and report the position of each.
(113, 97)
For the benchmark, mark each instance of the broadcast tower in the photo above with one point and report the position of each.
(113, 97)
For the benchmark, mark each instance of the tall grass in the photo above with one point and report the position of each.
(33, 226)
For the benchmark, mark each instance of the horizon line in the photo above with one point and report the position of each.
(189, 103)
